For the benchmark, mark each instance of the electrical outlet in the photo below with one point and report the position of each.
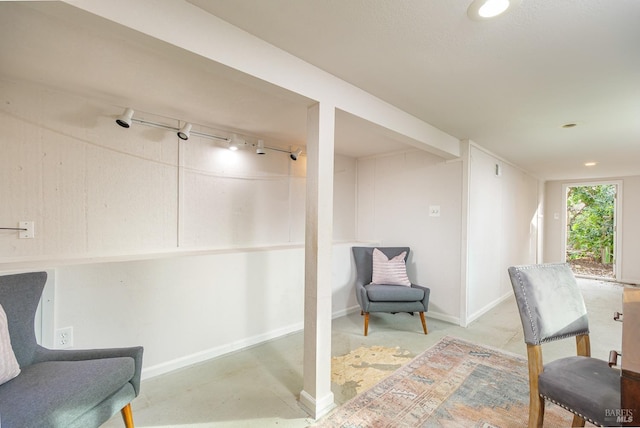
(64, 338)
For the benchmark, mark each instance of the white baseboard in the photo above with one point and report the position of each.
(316, 408)
(488, 307)
(198, 357)
(345, 312)
(443, 317)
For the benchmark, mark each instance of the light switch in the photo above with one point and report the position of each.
(434, 210)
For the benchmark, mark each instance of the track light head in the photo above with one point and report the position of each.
(124, 120)
(294, 155)
(233, 143)
(260, 148)
(183, 133)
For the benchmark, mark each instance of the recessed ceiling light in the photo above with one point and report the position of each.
(569, 125)
(486, 9)
(590, 163)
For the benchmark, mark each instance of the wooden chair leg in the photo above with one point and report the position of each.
(536, 412)
(127, 416)
(366, 323)
(424, 323)
(583, 345)
(536, 403)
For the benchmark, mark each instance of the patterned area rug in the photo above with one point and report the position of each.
(455, 383)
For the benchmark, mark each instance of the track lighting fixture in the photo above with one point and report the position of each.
(124, 120)
(184, 132)
(294, 155)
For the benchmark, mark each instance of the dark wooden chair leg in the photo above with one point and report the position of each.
(366, 323)
(127, 416)
(424, 323)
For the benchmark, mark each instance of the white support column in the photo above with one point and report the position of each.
(316, 396)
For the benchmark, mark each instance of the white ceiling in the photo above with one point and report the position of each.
(508, 84)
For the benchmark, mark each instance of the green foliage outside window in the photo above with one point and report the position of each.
(590, 211)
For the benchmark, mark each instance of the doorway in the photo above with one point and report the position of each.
(592, 229)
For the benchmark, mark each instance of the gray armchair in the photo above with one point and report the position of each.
(551, 308)
(61, 388)
(382, 297)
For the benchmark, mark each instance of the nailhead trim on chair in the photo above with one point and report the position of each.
(572, 411)
(526, 302)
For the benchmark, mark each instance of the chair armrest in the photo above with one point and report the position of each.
(425, 300)
(363, 299)
(44, 354)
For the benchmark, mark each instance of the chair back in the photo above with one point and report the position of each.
(550, 303)
(19, 297)
(363, 257)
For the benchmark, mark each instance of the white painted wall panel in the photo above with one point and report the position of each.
(366, 199)
(553, 234)
(344, 199)
(394, 194)
(502, 228)
(64, 197)
(131, 203)
(485, 232)
(187, 309)
(91, 187)
(221, 212)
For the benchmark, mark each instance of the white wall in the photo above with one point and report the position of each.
(95, 189)
(629, 250)
(502, 229)
(487, 223)
(186, 248)
(394, 196)
(91, 187)
(188, 309)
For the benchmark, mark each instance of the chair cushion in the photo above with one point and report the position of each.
(587, 386)
(393, 293)
(55, 393)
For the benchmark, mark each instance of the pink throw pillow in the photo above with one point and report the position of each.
(389, 272)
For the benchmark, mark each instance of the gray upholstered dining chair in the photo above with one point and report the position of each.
(551, 308)
(60, 388)
(385, 297)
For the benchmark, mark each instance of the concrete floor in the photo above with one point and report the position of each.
(258, 387)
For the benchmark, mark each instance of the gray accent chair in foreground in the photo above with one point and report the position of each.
(386, 298)
(61, 388)
(552, 308)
